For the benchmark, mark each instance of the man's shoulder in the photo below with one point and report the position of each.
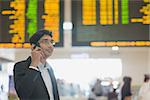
(20, 62)
(23, 62)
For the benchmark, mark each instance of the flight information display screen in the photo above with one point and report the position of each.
(111, 23)
(20, 19)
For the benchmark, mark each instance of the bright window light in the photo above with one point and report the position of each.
(83, 71)
(115, 48)
(67, 26)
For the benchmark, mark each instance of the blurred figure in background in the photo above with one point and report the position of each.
(113, 95)
(3, 94)
(92, 95)
(144, 93)
(126, 88)
(97, 88)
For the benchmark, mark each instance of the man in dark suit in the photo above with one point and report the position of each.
(34, 78)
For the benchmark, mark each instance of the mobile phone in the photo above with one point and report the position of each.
(36, 45)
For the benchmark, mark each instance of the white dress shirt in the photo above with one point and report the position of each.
(47, 79)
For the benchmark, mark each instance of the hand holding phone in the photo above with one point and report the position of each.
(36, 56)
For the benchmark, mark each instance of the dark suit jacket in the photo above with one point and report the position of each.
(29, 84)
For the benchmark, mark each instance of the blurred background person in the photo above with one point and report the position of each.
(92, 95)
(144, 92)
(113, 95)
(97, 88)
(126, 88)
(3, 94)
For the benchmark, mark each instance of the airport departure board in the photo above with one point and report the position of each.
(20, 19)
(124, 23)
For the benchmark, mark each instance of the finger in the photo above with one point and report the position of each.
(41, 58)
(42, 54)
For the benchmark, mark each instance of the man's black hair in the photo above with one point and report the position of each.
(37, 36)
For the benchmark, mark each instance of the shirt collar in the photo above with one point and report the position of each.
(42, 66)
